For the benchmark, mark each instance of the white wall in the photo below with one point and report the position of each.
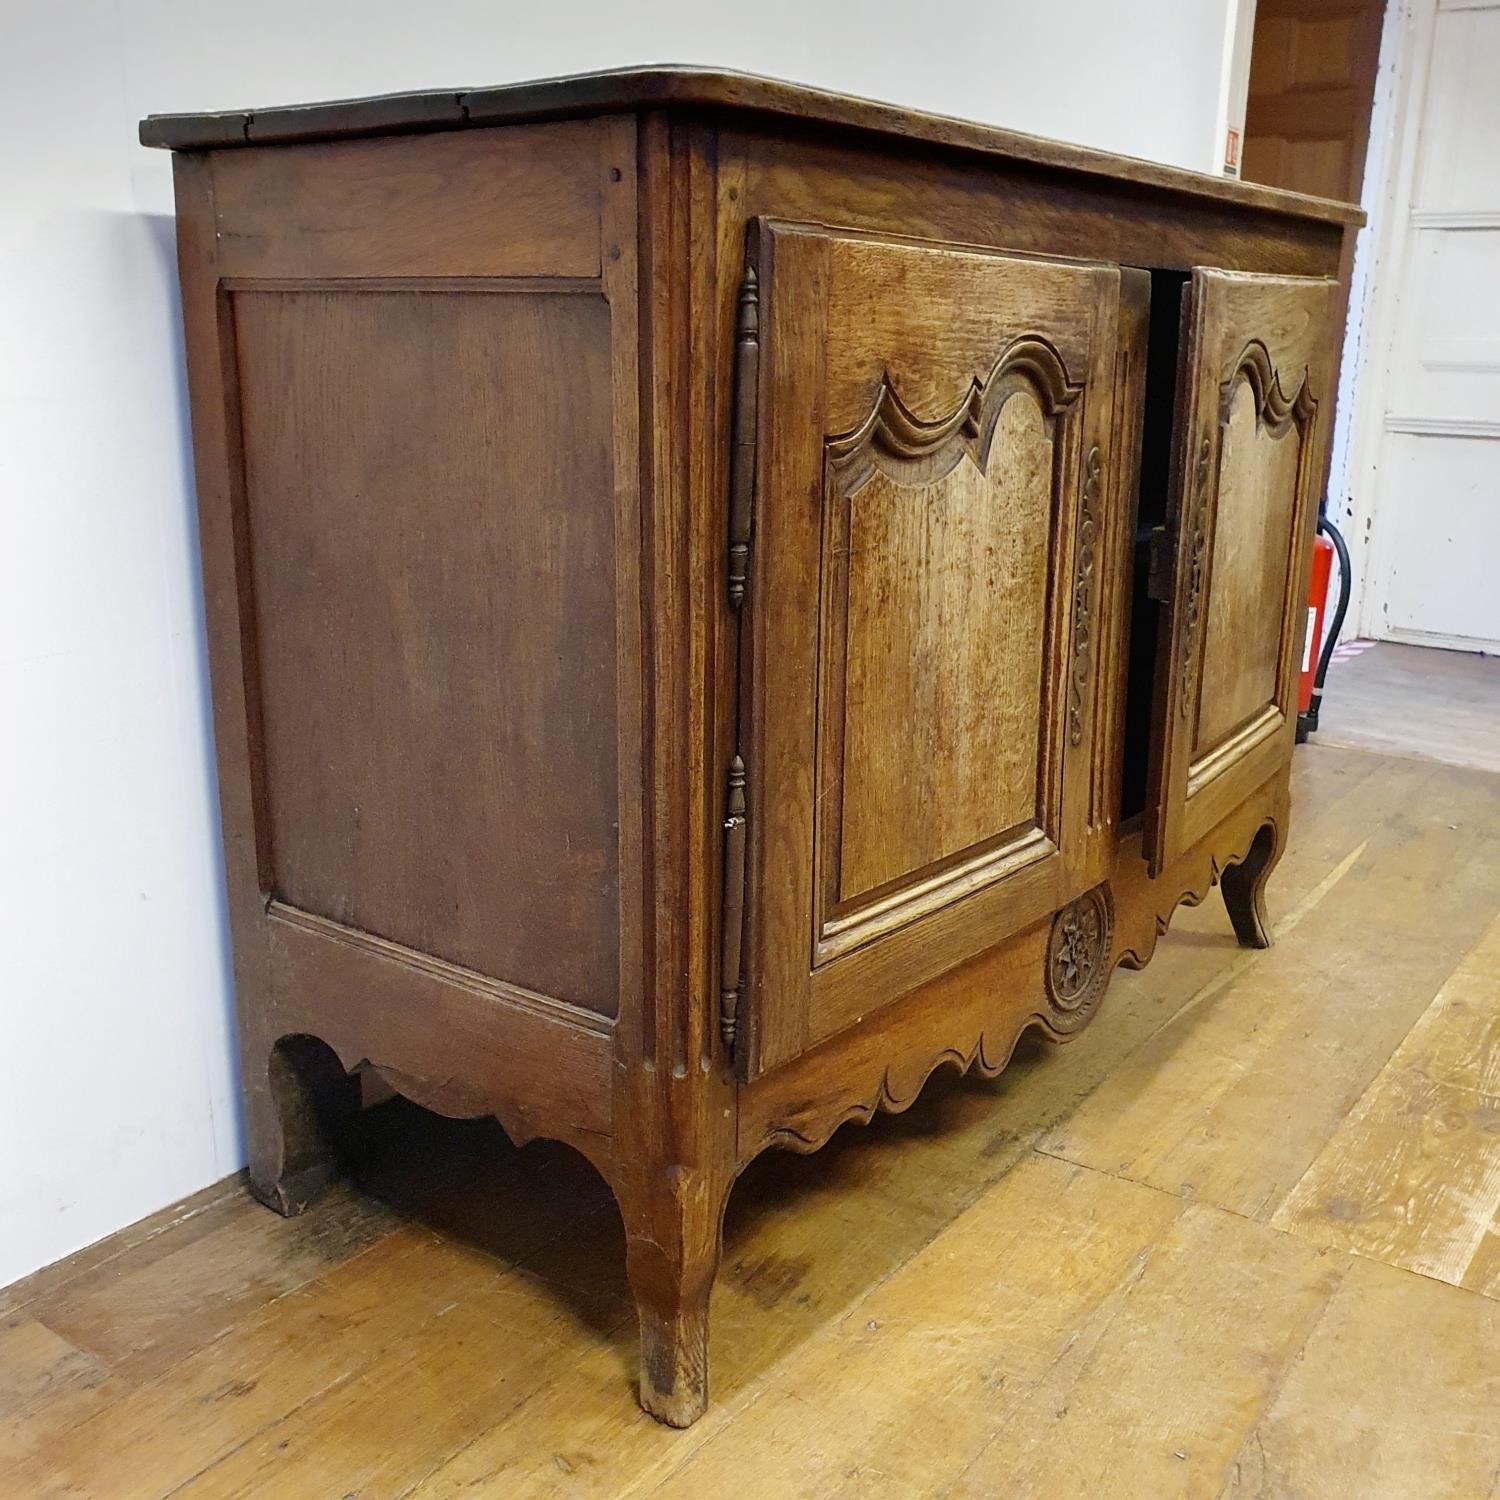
(116, 1072)
(1234, 88)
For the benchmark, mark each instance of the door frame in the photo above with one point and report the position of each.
(1400, 110)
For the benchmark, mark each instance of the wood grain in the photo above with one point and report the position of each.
(163, 1433)
(1242, 511)
(1395, 1397)
(1412, 1175)
(892, 187)
(977, 1317)
(954, 396)
(1252, 545)
(48, 1386)
(1171, 1112)
(1180, 1363)
(945, 597)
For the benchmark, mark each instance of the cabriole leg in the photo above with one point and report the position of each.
(673, 1226)
(295, 1114)
(1244, 888)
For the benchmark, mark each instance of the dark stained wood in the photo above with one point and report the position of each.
(535, 1064)
(674, 1097)
(679, 451)
(411, 515)
(366, 624)
(419, 206)
(219, 471)
(1114, 564)
(895, 187)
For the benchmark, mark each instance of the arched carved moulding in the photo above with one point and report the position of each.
(1275, 415)
(1274, 411)
(895, 441)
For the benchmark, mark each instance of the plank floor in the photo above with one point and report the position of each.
(1414, 700)
(1241, 1239)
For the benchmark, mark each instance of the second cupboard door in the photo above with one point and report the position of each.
(1253, 407)
(934, 532)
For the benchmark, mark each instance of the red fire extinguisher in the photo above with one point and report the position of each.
(1327, 545)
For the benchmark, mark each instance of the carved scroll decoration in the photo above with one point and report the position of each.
(1197, 566)
(1083, 591)
(988, 1047)
(1201, 876)
(988, 1053)
(916, 453)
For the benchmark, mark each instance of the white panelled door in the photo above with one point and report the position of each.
(1435, 545)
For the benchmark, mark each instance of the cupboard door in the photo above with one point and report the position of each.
(932, 505)
(1253, 409)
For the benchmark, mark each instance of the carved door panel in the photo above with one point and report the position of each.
(1252, 422)
(933, 537)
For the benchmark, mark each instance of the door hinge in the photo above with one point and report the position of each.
(737, 567)
(732, 927)
(1159, 565)
(742, 428)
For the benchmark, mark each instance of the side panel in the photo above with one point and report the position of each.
(428, 485)
(415, 390)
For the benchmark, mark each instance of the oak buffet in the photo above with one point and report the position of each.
(723, 598)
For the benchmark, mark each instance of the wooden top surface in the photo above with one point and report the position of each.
(636, 88)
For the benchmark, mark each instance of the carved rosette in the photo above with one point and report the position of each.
(1078, 960)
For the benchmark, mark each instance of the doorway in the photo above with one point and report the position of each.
(1422, 477)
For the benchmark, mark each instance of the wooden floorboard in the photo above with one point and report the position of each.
(1239, 1240)
(1234, 1098)
(1412, 1175)
(1396, 1396)
(1412, 700)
